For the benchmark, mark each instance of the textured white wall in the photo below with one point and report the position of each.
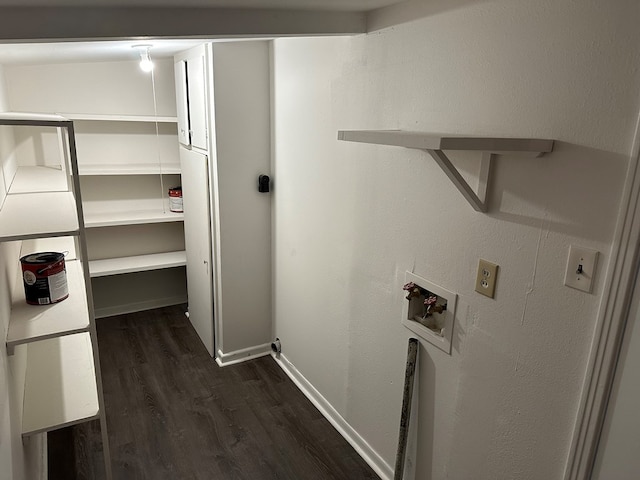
(351, 218)
(17, 462)
(89, 88)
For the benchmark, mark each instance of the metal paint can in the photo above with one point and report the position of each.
(44, 276)
(175, 199)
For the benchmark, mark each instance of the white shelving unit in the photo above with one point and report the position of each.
(128, 163)
(62, 383)
(435, 144)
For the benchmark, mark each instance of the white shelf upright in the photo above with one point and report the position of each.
(63, 384)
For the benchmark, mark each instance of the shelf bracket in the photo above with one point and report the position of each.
(477, 200)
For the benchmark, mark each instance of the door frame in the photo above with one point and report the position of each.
(610, 325)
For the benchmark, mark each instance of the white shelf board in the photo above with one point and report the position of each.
(9, 118)
(60, 386)
(120, 118)
(33, 215)
(30, 323)
(133, 217)
(129, 169)
(138, 263)
(427, 141)
(39, 179)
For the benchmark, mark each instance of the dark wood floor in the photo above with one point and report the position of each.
(174, 414)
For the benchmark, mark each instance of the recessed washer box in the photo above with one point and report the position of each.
(431, 319)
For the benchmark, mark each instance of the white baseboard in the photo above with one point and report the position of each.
(368, 454)
(139, 306)
(238, 356)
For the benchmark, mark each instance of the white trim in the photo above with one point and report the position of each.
(611, 320)
(243, 355)
(368, 454)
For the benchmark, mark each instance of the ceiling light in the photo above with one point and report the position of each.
(146, 65)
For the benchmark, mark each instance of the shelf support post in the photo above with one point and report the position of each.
(461, 184)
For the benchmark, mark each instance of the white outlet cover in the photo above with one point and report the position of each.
(443, 342)
(586, 257)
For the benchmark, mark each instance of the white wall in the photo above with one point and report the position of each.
(242, 129)
(350, 219)
(17, 462)
(118, 88)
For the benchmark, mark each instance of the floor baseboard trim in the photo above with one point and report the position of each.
(368, 454)
(243, 355)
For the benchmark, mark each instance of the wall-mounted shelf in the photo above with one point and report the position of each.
(434, 144)
(60, 387)
(138, 263)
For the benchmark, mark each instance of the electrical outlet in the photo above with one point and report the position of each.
(581, 268)
(486, 278)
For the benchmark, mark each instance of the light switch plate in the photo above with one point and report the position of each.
(581, 268)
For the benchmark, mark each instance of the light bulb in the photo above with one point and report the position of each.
(146, 65)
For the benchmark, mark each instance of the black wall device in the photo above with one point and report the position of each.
(263, 183)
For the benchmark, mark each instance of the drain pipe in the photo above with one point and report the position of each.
(276, 347)
(405, 415)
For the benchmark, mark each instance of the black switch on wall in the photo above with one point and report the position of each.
(263, 183)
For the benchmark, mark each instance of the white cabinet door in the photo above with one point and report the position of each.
(197, 102)
(182, 105)
(195, 196)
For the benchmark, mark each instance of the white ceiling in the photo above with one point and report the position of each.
(98, 51)
(340, 5)
(71, 51)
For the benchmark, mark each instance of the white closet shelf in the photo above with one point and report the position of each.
(138, 263)
(428, 141)
(134, 217)
(39, 178)
(435, 144)
(120, 118)
(31, 323)
(36, 119)
(60, 386)
(129, 169)
(33, 215)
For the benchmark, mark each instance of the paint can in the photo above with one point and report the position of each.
(45, 278)
(175, 199)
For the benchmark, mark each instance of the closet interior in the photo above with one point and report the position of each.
(142, 169)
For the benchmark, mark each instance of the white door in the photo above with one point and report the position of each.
(182, 106)
(195, 197)
(618, 456)
(197, 102)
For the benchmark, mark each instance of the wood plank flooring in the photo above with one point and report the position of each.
(174, 414)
